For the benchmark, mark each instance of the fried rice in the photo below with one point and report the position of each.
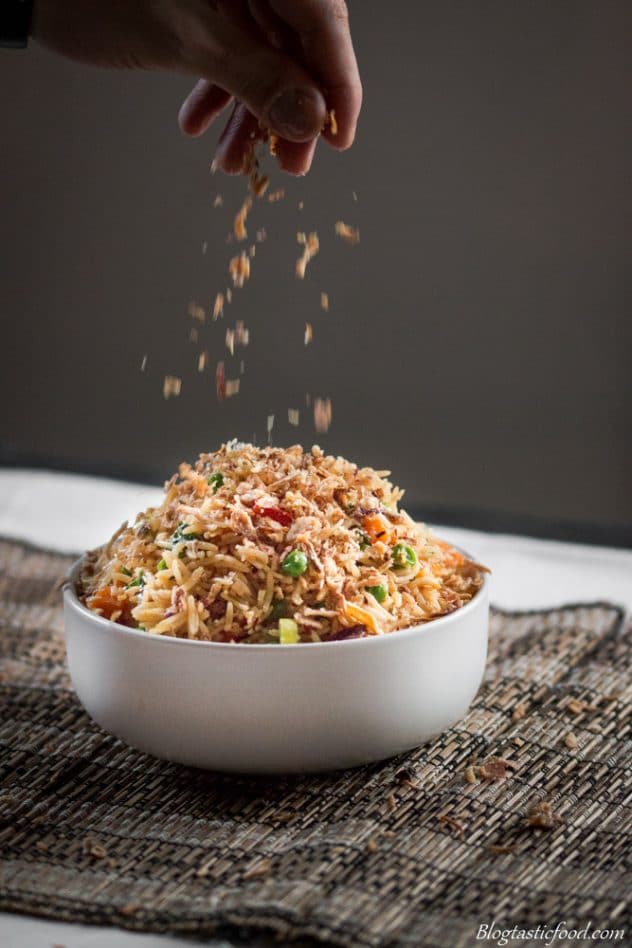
(273, 545)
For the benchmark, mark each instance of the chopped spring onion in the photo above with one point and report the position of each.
(216, 481)
(161, 565)
(139, 581)
(125, 571)
(279, 609)
(378, 592)
(183, 533)
(404, 556)
(288, 632)
(363, 539)
(294, 564)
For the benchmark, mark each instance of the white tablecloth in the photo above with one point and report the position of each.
(69, 512)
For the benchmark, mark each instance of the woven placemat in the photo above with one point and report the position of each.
(417, 851)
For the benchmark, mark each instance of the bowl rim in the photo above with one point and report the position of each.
(71, 597)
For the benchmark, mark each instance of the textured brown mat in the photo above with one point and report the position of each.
(400, 853)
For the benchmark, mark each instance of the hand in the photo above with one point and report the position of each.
(284, 64)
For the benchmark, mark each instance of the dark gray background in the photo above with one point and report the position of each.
(478, 342)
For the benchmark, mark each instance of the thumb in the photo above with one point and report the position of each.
(296, 113)
(279, 92)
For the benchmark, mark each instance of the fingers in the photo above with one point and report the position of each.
(296, 157)
(236, 140)
(272, 85)
(291, 52)
(201, 107)
(322, 27)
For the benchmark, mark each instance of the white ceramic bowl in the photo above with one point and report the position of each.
(276, 708)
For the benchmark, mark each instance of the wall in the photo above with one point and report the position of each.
(478, 342)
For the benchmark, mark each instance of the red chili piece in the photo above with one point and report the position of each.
(274, 513)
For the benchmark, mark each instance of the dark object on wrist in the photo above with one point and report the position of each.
(15, 22)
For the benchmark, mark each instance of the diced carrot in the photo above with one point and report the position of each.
(107, 600)
(378, 529)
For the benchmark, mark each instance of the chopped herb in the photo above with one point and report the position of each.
(279, 609)
(125, 571)
(378, 592)
(363, 539)
(161, 565)
(294, 564)
(403, 556)
(181, 535)
(139, 581)
(216, 481)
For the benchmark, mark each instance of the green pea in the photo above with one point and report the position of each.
(403, 556)
(294, 564)
(378, 592)
(216, 481)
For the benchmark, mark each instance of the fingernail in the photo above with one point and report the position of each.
(297, 114)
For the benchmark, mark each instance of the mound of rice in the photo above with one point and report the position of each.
(276, 545)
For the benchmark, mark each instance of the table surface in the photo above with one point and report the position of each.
(70, 513)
